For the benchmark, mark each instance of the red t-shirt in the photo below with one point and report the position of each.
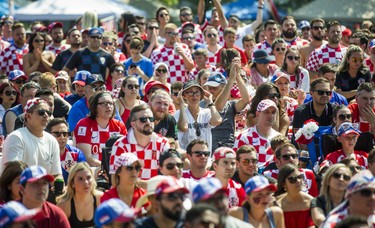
(112, 193)
(338, 155)
(364, 126)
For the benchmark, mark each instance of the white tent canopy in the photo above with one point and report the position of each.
(63, 10)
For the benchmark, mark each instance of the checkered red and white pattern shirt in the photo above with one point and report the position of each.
(219, 29)
(177, 70)
(88, 131)
(198, 33)
(149, 154)
(236, 194)
(188, 175)
(290, 106)
(252, 137)
(57, 50)
(325, 54)
(263, 46)
(193, 74)
(338, 155)
(303, 82)
(3, 44)
(369, 65)
(297, 43)
(119, 57)
(211, 56)
(11, 58)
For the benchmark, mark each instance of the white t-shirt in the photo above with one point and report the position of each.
(203, 122)
(21, 145)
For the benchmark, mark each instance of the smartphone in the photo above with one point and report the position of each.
(132, 66)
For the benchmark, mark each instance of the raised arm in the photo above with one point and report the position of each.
(223, 20)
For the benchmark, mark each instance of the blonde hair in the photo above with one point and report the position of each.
(69, 193)
(344, 66)
(47, 81)
(89, 20)
(170, 26)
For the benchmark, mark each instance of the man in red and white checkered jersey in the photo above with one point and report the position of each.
(224, 164)
(211, 37)
(289, 33)
(199, 157)
(92, 132)
(176, 55)
(272, 32)
(142, 141)
(186, 19)
(359, 200)
(261, 134)
(56, 31)
(333, 52)
(11, 58)
(287, 154)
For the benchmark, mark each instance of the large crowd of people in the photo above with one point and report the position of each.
(206, 122)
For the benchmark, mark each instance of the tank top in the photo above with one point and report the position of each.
(125, 115)
(73, 220)
(269, 214)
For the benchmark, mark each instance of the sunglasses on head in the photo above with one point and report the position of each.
(11, 93)
(197, 129)
(343, 117)
(356, 59)
(247, 161)
(38, 41)
(367, 192)
(162, 71)
(144, 119)
(132, 86)
(339, 175)
(42, 112)
(321, 92)
(211, 35)
(273, 95)
(58, 133)
(201, 153)
(290, 57)
(174, 196)
(130, 168)
(294, 179)
(171, 166)
(280, 49)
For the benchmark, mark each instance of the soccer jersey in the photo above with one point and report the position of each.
(188, 175)
(11, 58)
(297, 43)
(212, 57)
(252, 137)
(88, 131)
(197, 31)
(149, 155)
(57, 50)
(193, 74)
(290, 105)
(263, 46)
(301, 82)
(369, 65)
(236, 194)
(219, 29)
(338, 155)
(70, 157)
(177, 69)
(325, 54)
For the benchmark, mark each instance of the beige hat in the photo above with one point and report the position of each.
(151, 188)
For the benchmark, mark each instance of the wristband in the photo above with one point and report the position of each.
(260, 7)
(210, 104)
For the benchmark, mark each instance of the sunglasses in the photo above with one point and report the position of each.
(286, 157)
(175, 94)
(201, 153)
(321, 92)
(107, 43)
(153, 27)
(42, 112)
(106, 103)
(19, 81)
(280, 49)
(273, 95)
(339, 175)
(171, 166)
(132, 86)
(343, 117)
(130, 168)
(96, 37)
(162, 71)
(128, 41)
(366, 192)
(356, 59)
(318, 27)
(172, 34)
(293, 57)
(119, 71)
(188, 38)
(193, 93)
(132, 26)
(58, 134)
(144, 119)
(38, 41)
(197, 129)
(294, 179)
(174, 196)
(307, 28)
(98, 88)
(247, 161)
(141, 23)
(163, 15)
(211, 35)
(11, 93)
(186, 14)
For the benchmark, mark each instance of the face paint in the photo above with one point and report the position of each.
(256, 200)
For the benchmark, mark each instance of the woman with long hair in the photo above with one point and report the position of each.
(163, 18)
(127, 18)
(128, 97)
(116, 72)
(332, 191)
(37, 59)
(256, 209)
(272, 92)
(125, 44)
(8, 99)
(10, 181)
(81, 198)
(261, 69)
(292, 200)
(279, 47)
(124, 181)
(351, 73)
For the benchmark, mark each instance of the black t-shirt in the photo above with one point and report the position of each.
(61, 59)
(346, 83)
(167, 127)
(94, 62)
(306, 111)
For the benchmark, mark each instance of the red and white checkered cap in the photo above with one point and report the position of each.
(35, 101)
(265, 104)
(224, 152)
(126, 159)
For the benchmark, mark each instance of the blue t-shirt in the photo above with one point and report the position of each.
(146, 66)
(18, 110)
(336, 99)
(72, 98)
(72, 156)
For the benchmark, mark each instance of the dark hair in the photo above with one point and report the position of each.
(124, 82)
(337, 108)
(193, 143)
(114, 66)
(269, 22)
(277, 41)
(281, 179)
(158, 11)
(200, 51)
(198, 210)
(12, 170)
(94, 100)
(177, 85)
(17, 26)
(257, 34)
(245, 149)
(128, 19)
(44, 92)
(124, 48)
(327, 68)
(247, 37)
(288, 17)
(136, 43)
(284, 67)
(281, 147)
(332, 23)
(72, 30)
(314, 20)
(371, 155)
(137, 109)
(54, 122)
(351, 221)
(34, 74)
(277, 141)
(366, 86)
(317, 81)
(363, 38)
(3, 87)
(226, 57)
(31, 40)
(29, 85)
(260, 94)
(170, 153)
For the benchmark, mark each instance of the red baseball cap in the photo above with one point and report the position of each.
(169, 185)
(224, 152)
